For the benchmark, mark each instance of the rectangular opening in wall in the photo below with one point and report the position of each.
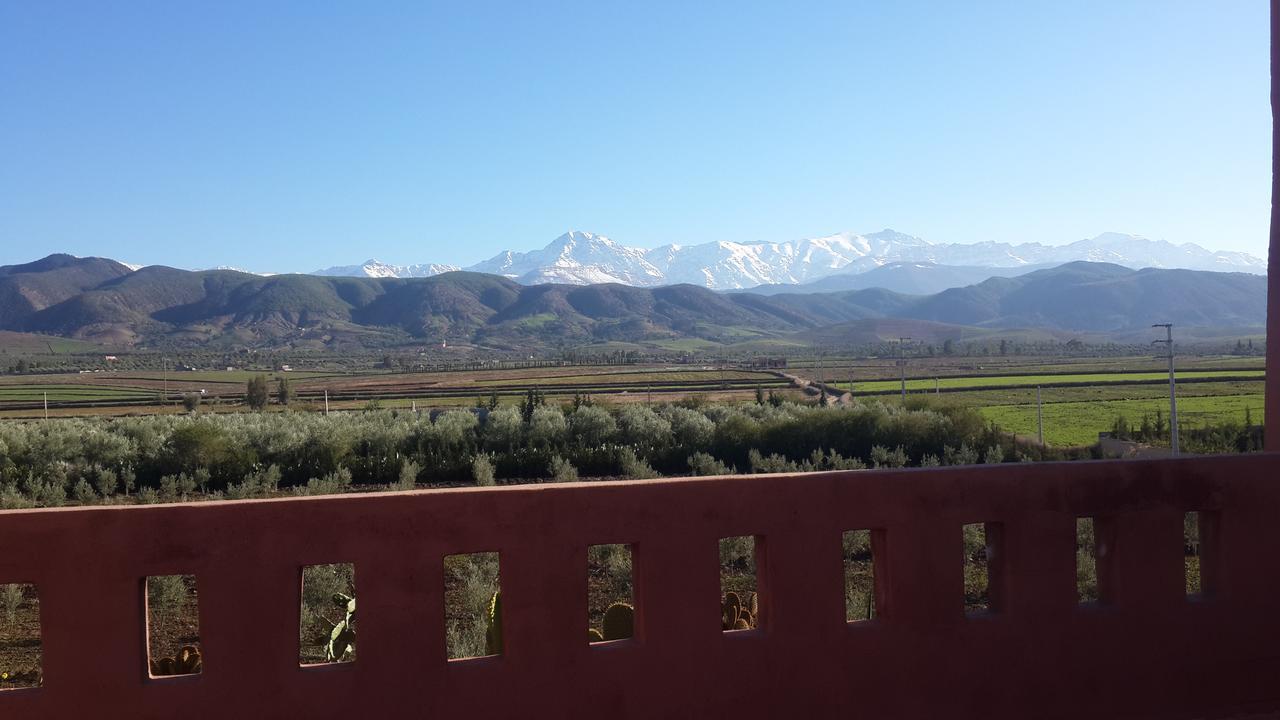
(327, 627)
(472, 605)
(981, 543)
(739, 598)
(20, 656)
(173, 625)
(1191, 552)
(859, 576)
(610, 593)
(1086, 561)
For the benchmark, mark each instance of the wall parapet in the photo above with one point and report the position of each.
(1145, 650)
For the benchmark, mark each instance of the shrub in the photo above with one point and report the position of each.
(633, 467)
(701, 463)
(482, 470)
(562, 470)
(408, 476)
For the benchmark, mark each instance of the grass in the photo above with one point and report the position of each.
(217, 376)
(1078, 423)
(1033, 380)
(19, 393)
(656, 377)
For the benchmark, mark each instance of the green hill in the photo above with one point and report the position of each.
(99, 299)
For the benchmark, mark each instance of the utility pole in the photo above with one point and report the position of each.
(46, 406)
(1039, 417)
(1173, 394)
(937, 387)
(902, 364)
(166, 380)
(326, 403)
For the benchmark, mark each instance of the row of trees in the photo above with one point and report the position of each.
(1203, 439)
(175, 456)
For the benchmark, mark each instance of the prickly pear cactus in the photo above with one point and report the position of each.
(187, 662)
(619, 621)
(342, 638)
(737, 615)
(493, 632)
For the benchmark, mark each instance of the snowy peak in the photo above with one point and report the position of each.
(578, 258)
(584, 258)
(376, 269)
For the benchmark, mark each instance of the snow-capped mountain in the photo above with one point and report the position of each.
(375, 269)
(583, 258)
(578, 258)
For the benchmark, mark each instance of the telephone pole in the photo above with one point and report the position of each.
(902, 364)
(1039, 417)
(1173, 393)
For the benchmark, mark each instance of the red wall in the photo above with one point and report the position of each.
(1147, 651)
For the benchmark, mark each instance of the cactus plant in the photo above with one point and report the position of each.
(342, 638)
(619, 621)
(21, 676)
(493, 632)
(737, 615)
(188, 661)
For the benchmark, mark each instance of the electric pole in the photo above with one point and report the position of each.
(1039, 417)
(1173, 393)
(902, 364)
(165, 361)
(46, 406)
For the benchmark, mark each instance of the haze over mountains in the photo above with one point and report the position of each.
(104, 300)
(583, 258)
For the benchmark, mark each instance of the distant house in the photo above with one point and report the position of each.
(286, 368)
(110, 358)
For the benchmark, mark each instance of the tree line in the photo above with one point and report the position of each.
(239, 455)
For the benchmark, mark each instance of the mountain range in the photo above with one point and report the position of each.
(583, 258)
(104, 300)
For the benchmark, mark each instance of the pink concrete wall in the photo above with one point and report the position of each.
(1147, 651)
(1272, 398)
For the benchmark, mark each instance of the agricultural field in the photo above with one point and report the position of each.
(886, 368)
(1082, 396)
(1078, 423)
(131, 393)
(1097, 378)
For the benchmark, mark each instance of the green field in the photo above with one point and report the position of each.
(215, 376)
(1032, 380)
(36, 393)
(1078, 423)
(672, 376)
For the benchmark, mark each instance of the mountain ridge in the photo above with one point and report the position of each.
(159, 304)
(584, 258)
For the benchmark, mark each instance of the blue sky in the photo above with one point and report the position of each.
(291, 136)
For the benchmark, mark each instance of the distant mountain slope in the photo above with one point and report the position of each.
(1100, 296)
(34, 286)
(161, 303)
(909, 278)
(583, 258)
